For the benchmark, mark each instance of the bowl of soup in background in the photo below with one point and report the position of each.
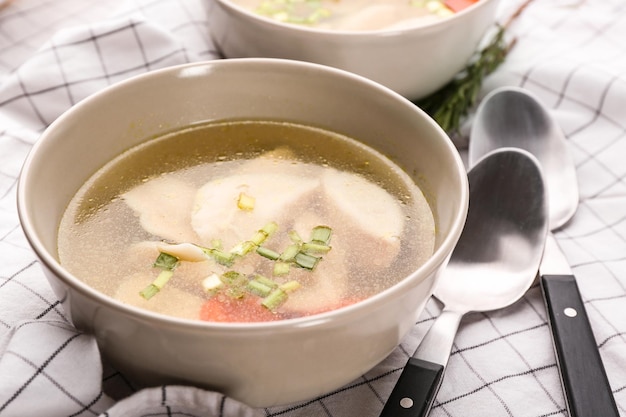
(265, 363)
(414, 58)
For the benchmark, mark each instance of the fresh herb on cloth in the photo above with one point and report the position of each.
(450, 104)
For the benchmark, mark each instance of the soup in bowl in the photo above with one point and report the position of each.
(413, 47)
(220, 223)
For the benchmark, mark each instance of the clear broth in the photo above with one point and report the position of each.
(382, 226)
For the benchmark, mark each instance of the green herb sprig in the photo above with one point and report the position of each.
(449, 105)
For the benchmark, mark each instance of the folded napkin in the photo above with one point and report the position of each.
(184, 401)
(569, 52)
(49, 368)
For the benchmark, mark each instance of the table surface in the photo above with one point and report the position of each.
(570, 53)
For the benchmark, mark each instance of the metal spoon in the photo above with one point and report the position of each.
(513, 117)
(492, 266)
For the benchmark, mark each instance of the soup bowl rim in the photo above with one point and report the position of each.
(340, 315)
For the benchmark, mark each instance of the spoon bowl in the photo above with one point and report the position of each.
(514, 118)
(497, 256)
(493, 265)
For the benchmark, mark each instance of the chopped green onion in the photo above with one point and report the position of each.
(165, 261)
(275, 299)
(290, 286)
(149, 292)
(243, 248)
(306, 261)
(156, 286)
(261, 286)
(221, 257)
(278, 296)
(266, 281)
(162, 278)
(312, 247)
(321, 234)
(236, 283)
(290, 252)
(299, 253)
(233, 278)
(281, 268)
(267, 253)
(269, 228)
(295, 237)
(257, 239)
(258, 288)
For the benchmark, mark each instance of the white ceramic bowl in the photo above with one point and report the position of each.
(413, 61)
(300, 358)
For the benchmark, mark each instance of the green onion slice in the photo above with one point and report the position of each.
(165, 261)
(221, 257)
(290, 252)
(233, 278)
(258, 288)
(156, 286)
(295, 237)
(281, 268)
(275, 299)
(266, 281)
(267, 253)
(313, 247)
(321, 235)
(149, 292)
(279, 296)
(290, 286)
(306, 261)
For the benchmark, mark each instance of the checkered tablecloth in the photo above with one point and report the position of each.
(570, 53)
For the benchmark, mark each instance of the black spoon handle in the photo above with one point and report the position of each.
(586, 386)
(415, 390)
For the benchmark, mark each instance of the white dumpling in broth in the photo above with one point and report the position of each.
(366, 223)
(216, 214)
(164, 206)
(373, 214)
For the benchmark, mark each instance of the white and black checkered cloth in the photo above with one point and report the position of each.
(570, 53)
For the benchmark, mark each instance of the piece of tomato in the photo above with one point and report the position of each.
(458, 5)
(225, 309)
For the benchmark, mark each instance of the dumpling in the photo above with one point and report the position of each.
(371, 210)
(164, 206)
(217, 216)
